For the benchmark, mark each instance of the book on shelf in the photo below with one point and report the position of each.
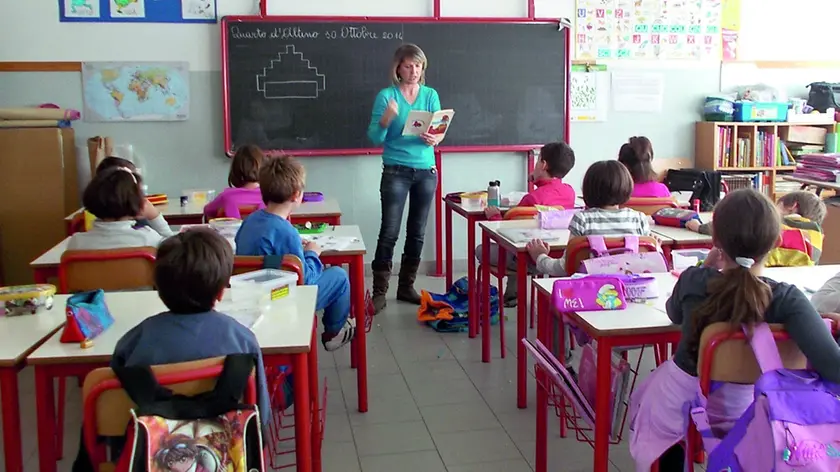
(725, 147)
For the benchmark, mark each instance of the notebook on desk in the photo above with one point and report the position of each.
(519, 235)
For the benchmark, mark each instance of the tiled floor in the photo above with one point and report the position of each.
(434, 406)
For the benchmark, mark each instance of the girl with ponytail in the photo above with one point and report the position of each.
(728, 288)
(637, 155)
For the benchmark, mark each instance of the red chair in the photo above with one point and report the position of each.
(578, 249)
(244, 211)
(244, 264)
(108, 269)
(107, 407)
(650, 206)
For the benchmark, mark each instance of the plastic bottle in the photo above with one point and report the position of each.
(494, 194)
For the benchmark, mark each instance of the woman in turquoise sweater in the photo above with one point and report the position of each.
(408, 173)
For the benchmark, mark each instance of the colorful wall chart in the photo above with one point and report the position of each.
(137, 11)
(648, 29)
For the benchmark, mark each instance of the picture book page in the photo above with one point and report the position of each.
(419, 122)
(440, 122)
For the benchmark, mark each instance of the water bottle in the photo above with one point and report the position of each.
(494, 194)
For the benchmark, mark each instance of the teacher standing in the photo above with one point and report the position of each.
(408, 172)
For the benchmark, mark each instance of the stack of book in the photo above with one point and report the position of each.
(819, 167)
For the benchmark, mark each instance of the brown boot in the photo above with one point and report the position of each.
(381, 282)
(405, 287)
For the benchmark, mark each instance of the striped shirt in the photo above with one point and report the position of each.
(597, 222)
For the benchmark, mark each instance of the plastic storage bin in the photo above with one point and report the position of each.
(760, 111)
(266, 284)
(26, 299)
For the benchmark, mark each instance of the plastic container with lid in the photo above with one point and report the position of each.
(26, 299)
(227, 227)
(264, 285)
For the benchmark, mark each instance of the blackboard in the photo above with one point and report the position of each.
(310, 85)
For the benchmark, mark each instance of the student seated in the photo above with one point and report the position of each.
(606, 186)
(802, 212)
(728, 288)
(637, 156)
(556, 160)
(115, 197)
(192, 271)
(268, 232)
(244, 185)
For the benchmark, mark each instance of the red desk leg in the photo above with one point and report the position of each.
(11, 419)
(316, 402)
(473, 298)
(501, 272)
(357, 294)
(303, 425)
(521, 329)
(439, 218)
(45, 414)
(484, 302)
(541, 460)
(602, 406)
(43, 274)
(449, 256)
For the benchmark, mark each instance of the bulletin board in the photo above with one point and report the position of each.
(648, 29)
(137, 11)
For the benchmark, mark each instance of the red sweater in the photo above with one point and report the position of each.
(549, 192)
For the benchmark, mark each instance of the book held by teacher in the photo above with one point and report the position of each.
(420, 122)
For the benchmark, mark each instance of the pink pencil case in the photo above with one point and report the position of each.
(590, 293)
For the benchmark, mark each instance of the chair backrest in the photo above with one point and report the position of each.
(107, 407)
(649, 206)
(578, 249)
(718, 341)
(243, 264)
(244, 211)
(108, 269)
(525, 213)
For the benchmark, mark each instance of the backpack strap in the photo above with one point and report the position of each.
(631, 244)
(152, 399)
(597, 245)
(764, 347)
(272, 262)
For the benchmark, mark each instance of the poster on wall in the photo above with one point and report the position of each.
(589, 92)
(126, 91)
(648, 29)
(137, 11)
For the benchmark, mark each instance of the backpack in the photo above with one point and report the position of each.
(794, 420)
(449, 312)
(823, 95)
(212, 430)
(704, 185)
(626, 260)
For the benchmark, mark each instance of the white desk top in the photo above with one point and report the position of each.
(815, 183)
(808, 279)
(53, 256)
(328, 207)
(287, 328)
(20, 334)
(505, 230)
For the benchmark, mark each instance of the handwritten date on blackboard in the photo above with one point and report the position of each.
(297, 32)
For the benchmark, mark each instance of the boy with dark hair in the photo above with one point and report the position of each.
(192, 271)
(268, 232)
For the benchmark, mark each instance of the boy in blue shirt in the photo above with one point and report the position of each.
(268, 232)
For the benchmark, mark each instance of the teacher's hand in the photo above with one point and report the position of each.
(431, 139)
(391, 111)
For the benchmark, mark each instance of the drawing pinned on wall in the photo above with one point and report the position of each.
(81, 8)
(589, 92)
(128, 8)
(198, 9)
(290, 76)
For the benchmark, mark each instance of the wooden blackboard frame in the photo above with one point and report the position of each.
(562, 25)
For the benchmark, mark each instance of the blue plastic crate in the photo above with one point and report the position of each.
(760, 111)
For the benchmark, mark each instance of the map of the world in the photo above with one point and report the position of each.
(117, 91)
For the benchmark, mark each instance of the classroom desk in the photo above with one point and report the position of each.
(808, 279)
(287, 331)
(326, 211)
(45, 266)
(495, 231)
(353, 255)
(681, 238)
(19, 336)
(639, 324)
(818, 185)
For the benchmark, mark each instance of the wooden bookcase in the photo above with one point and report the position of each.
(709, 141)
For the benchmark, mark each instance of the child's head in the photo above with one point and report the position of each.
(177, 453)
(113, 161)
(245, 166)
(192, 270)
(556, 160)
(805, 204)
(115, 193)
(605, 184)
(282, 180)
(637, 155)
(747, 227)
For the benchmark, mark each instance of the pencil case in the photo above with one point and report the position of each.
(590, 293)
(310, 228)
(26, 299)
(313, 197)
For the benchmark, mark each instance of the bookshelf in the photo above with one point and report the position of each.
(756, 153)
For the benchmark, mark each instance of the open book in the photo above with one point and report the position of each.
(420, 122)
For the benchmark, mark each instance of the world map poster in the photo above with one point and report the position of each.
(648, 29)
(123, 91)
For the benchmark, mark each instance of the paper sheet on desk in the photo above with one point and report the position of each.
(330, 242)
(248, 314)
(524, 235)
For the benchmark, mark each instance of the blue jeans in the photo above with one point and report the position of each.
(398, 184)
(333, 298)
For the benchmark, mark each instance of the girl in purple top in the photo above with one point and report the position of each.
(637, 155)
(244, 190)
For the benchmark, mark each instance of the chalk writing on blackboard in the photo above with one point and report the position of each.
(290, 75)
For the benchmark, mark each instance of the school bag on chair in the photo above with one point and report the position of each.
(792, 425)
(209, 432)
(623, 260)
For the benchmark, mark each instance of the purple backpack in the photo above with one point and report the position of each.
(792, 425)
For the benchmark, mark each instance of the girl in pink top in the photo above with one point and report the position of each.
(637, 156)
(244, 191)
